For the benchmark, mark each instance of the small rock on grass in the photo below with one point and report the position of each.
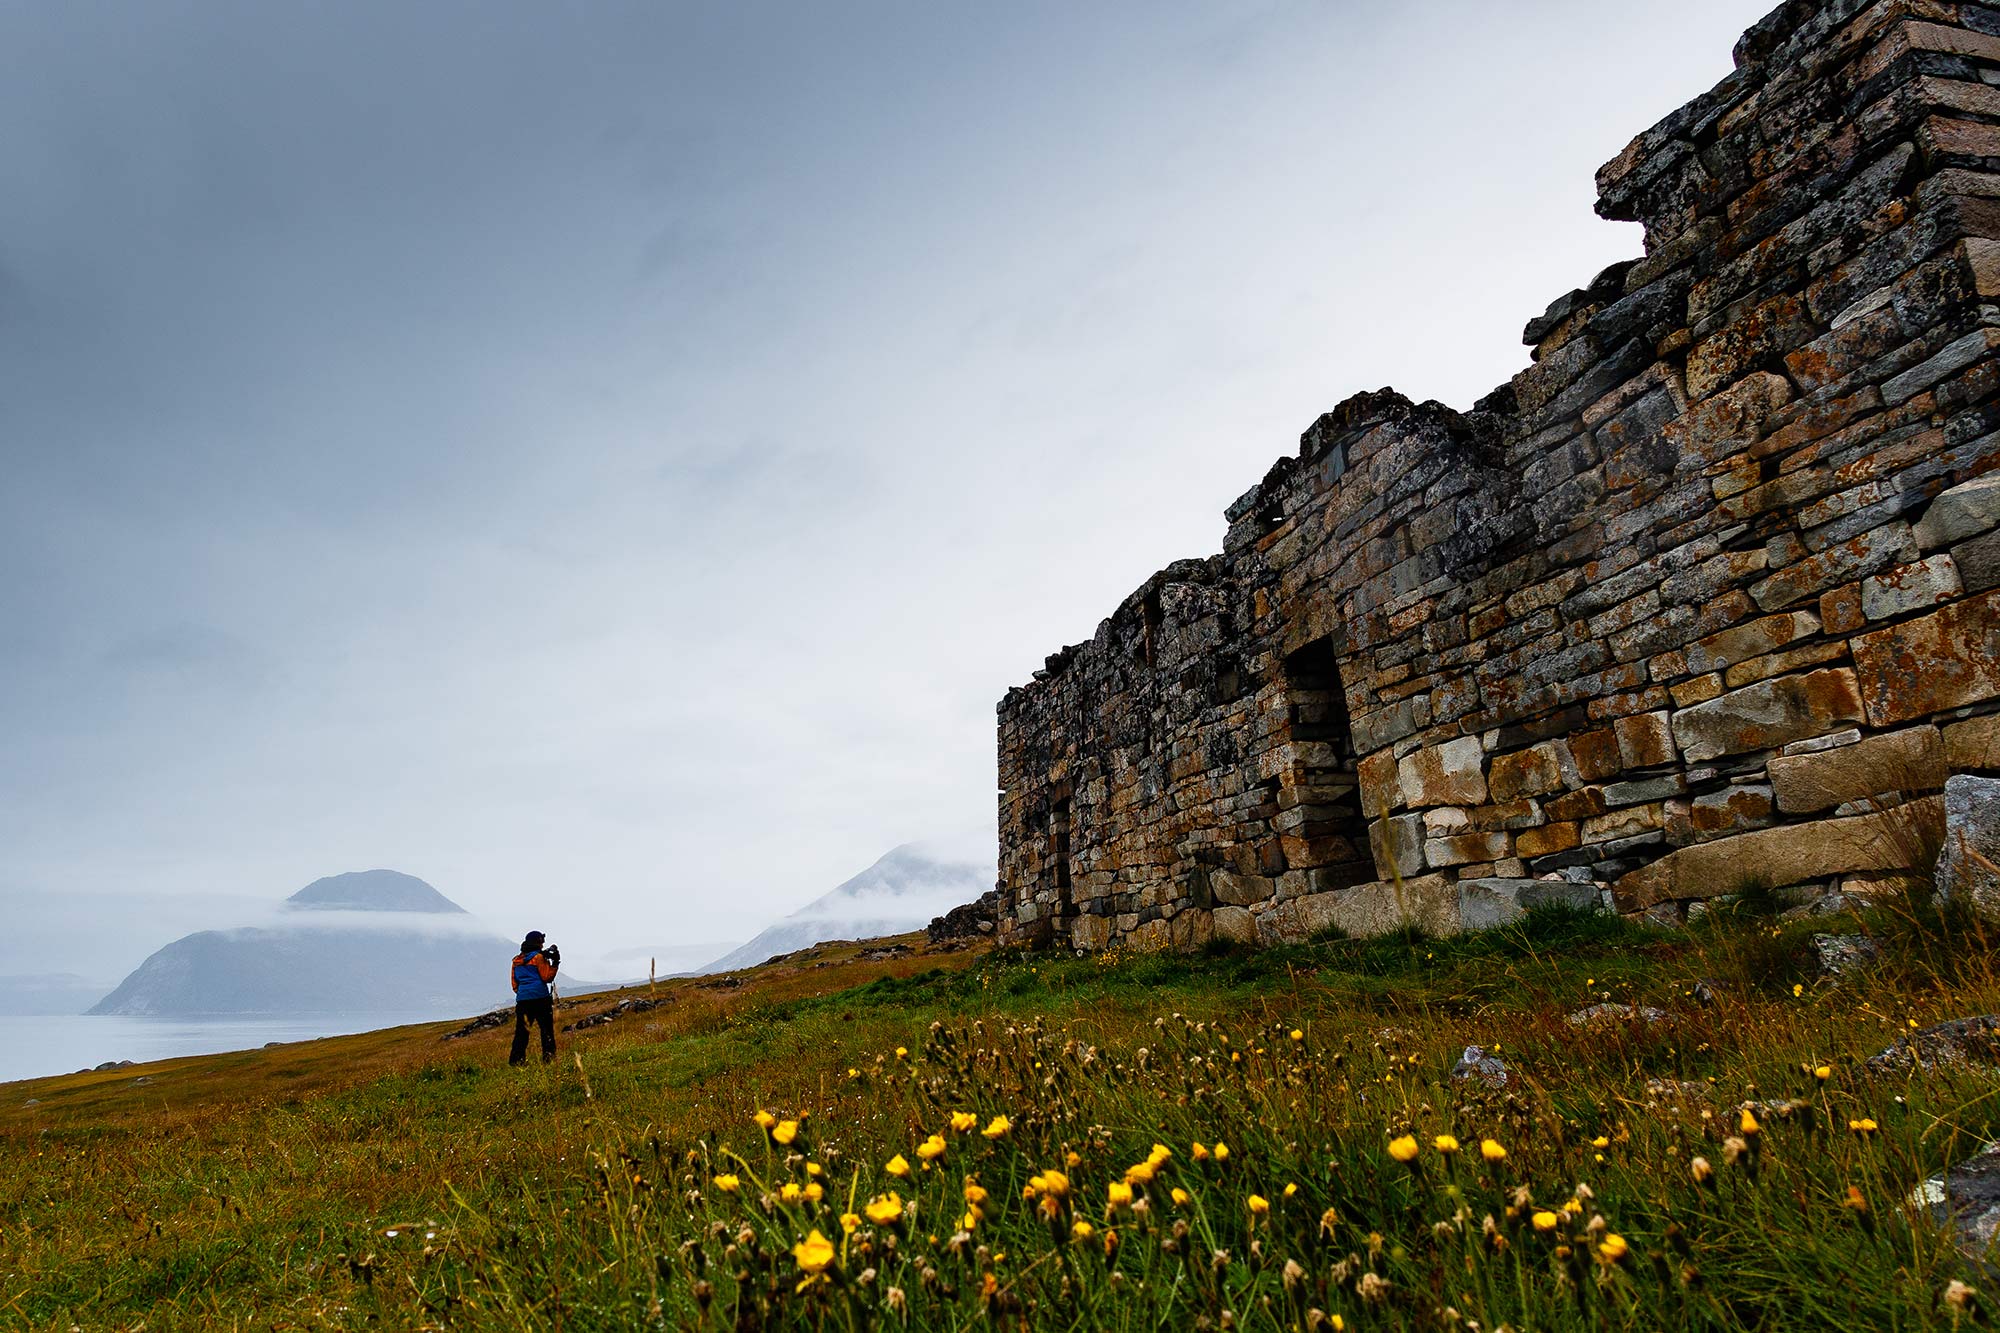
(1678, 1089)
(1845, 955)
(1832, 904)
(481, 1023)
(1599, 1015)
(1476, 1063)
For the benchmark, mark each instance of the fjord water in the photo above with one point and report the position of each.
(42, 1044)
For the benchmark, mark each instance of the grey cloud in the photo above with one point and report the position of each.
(610, 459)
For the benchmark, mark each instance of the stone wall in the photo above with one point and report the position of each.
(1708, 595)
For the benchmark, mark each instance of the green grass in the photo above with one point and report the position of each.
(259, 1190)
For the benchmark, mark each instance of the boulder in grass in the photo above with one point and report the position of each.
(1968, 865)
(1845, 955)
(1610, 1014)
(1966, 1201)
(1961, 1041)
(1475, 1063)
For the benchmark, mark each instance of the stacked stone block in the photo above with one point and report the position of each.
(1708, 596)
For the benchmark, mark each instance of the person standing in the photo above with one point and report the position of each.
(534, 996)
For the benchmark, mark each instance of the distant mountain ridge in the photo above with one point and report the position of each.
(900, 892)
(373, 891)
(423, 952)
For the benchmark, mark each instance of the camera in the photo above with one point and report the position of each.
(553, 954)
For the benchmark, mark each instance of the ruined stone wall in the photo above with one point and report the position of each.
(1687, 605)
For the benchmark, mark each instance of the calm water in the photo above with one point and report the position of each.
(37, 1045)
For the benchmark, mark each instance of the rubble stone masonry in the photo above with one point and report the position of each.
(1701, 599)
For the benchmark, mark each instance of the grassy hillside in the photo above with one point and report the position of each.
(962, 1139)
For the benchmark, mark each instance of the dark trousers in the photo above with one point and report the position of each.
(543, 1012)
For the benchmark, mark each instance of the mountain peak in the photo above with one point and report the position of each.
(372, 891)
(901, 892)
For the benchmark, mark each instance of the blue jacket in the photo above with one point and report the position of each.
(532, 974)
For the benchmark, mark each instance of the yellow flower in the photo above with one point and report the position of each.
(1612, 1248)
(1120, 1194)
(963, 1121)
(1823, 1073)
(764, 1119)
(1404, 1148)
(1259, 1205)
(975, 1193)
(1298, 1034)
(997, 1126)
(784, 1132)
(887, 1209)
(1221, 1152)
(814, 1191)
(1054, 1183)
(815, 1170)
(852, 1072)
(727, 1183)
(1081, 1230)
(1290, 1190)
(1748, 1125)
(1600, 1142)
(1798, 989)
(1864, 1126)
(1199, 1152)
(1545, 1220)
(790, 1193)
(1855, 1199)
(1072, 1158)
(849, 1221)
(1159, 1154)
(902, 1052)
(813, 1253)
(970, 1220)
(897, 1166)
(931, 1148)
(1139, 1173)
(1492, 1151)
(1446, 1144)
(1180, 1197)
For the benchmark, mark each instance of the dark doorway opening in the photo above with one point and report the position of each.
(1320, 818)
(1059, 846)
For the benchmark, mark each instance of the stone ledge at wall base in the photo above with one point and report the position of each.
(1434, 904)
(1779, 857)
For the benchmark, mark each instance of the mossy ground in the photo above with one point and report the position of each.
(391, 1180)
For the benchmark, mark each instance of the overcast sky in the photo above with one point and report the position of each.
(610, 459)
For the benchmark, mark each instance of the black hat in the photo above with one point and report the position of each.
(534, 937)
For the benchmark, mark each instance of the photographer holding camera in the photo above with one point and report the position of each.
(534, 996)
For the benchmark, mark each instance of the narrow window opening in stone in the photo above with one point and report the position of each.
(1320, 820)
(1059, 844)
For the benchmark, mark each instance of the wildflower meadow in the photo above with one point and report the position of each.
(1271, 1141)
